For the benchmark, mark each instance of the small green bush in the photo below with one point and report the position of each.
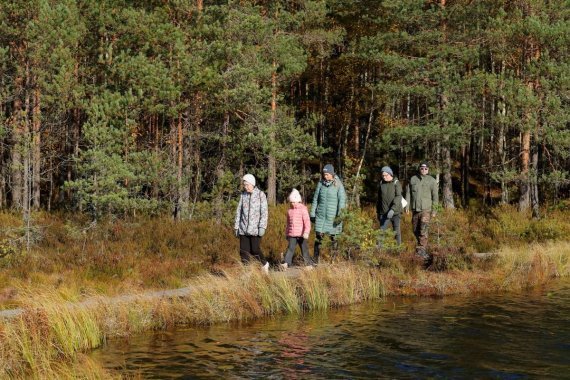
(540, 231)
(6, 248)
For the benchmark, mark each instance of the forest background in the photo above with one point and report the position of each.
(126, 126)
(159, 107)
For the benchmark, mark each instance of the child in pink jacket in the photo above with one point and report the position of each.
(298, 229)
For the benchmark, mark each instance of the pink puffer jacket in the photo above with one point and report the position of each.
(298, 222)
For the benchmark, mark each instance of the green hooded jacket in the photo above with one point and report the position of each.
(389, 197)
(328, 201)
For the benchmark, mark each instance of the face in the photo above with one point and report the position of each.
(327, 176)
(424, 170)
(386, 177)
(247, 186)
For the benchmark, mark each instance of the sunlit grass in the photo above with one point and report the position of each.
(49, 339)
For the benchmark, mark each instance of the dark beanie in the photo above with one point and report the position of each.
(328, 169)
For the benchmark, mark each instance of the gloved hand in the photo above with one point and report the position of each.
(390, 214)
(261, 232)
(306, 236)
(312, 219)
(236, 232)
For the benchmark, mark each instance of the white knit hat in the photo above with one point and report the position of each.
(295, 196)
(249, 179)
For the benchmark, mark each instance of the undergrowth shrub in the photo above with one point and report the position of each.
(358, 233)
(450, 258)
(6, 248)
(541, 231)
(362, 240)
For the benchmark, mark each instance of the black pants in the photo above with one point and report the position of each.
(293, 241)
(318, 241)
(395, 226)
(250, 246)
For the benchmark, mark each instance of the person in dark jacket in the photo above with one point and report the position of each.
(389, 205)
(422, 196)
(251, 221)
(328, 202)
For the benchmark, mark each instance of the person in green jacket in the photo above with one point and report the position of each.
(328, 202)
(389, 204)
(422, 196)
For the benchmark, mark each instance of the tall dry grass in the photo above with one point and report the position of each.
(51, 332)
(77, 259)
(73, 263)
(51, 335)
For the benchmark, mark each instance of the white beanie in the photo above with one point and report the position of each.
(295, 196)
(249, 179)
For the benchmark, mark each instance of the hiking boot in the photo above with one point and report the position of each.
(283, 266)
(265, 268)
(424, 256)
(421, 252)
(308, 267)
(428, 261)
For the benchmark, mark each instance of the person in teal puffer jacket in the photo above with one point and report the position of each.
(328, 201)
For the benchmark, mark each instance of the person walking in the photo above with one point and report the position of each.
(297, 230)
(389, 204)
(251, 222)
(422, 196)
(328, 202)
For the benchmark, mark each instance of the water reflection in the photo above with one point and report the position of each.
(499, 336)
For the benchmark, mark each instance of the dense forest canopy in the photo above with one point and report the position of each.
(118, 106)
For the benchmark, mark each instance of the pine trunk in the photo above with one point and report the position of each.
(27, 153)
(534, 186)
(272, 167)
(178, 154)
(524, 199)
(16, 163)
(193, 168)
(218, 201)
(36, 151)
(501, 139)
(447, 188)
(463, 175)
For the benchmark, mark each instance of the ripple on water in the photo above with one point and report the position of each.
(504, 336)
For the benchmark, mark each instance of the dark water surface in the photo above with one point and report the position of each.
(501, 336)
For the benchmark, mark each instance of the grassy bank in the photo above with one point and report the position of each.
(47, 335)
(73, 261)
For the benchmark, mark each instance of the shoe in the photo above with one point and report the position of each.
(283, 266)
(308, 267)
(421, 252)
(265, 268)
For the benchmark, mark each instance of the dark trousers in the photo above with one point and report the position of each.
(420, 223)
(250, 246)
(318, 241)
(384, 221)
(293, 241)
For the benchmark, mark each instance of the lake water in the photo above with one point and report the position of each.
(500, 336)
